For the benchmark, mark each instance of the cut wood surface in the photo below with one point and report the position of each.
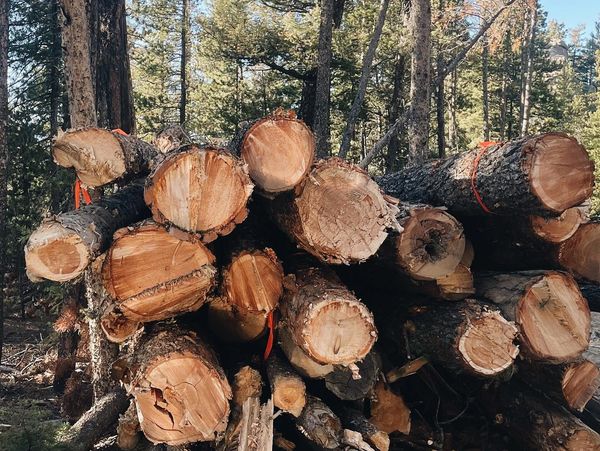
(339, 214)
(202, 190)
(325, 319)
(580, 255)
(534, 175)
(464, 337)
(552, 316)
(319, 424)
(100, 156)
(298, 358)
(181, 392)
(389, 412)
(64, 245)
(233, 325)
(456, 285)
(278, 149)
(117, 327)
(559, 228)
(152, 274)
(287, 387)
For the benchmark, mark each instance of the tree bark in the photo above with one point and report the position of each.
(185, 56)
(319, 424)
(392, 158)
(527, 70)
(354, 420)
(4, 155)
(323, 80)
(353, 384)
(485, 56)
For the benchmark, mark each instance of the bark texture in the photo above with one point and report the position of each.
(3, 155)
(355, 382)
(319, 424)
(323, 79)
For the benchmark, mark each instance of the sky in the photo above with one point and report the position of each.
(573, 12)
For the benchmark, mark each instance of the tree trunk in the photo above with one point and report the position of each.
(201, 190)
(364, 79)
(152, 274)
(465, 337)
(287, 387)
(323, 80)
(485, 56)
(392, 158)
(440, 98)
(325, 319)
(171, 138)
(319, 424)
(101, 157)
(418, 123)
(521, 176)
(3, 157)
(185, 56)
(579, 254)
(527, 70)
(552, 316)
(63, 246)
(54, 74)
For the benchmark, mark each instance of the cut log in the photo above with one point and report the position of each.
(298, 358)
(100, 156)
(560, 228)
(152, 274)
(233, 325)
(117, 327)
(431, 245)
(247, 383)
(287, 387)
(552, 316)
(535, 423)
(355, 382)
(202, 190)
(128, 429)
(319, 424)
(354, 419)
(339, 215)
(579, 254)
(389, 413)
(181, 392)
(325, 319)
(464, 337)
(534, 175)
(278, 149)
(64, 245)
(570, 384)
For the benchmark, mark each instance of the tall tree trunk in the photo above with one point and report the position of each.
(323, 84)
(453, 126)
(306, 112)
(504, 90)
(185, 56)
(527, 72)
(54, 75)
(3, 155)
(364, 78)
(485, 88)
(418, 122)
(439, 96)
(393, 153)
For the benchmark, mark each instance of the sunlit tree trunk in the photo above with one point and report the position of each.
(3, 156)
(323, 83)
(527, 71)
(183, 67)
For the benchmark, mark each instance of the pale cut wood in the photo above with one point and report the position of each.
(100, 156)
(560, 228)
(278, 149)
(325, 319)
(181, 392)
(339, 214)
(287, 387)
(298, 358)
(117, 327)
(457, 285)
(202, 190)
(552, 316)
(389, 412)
(579, 254)
(319, 424)
(233, 325)
(152, 274)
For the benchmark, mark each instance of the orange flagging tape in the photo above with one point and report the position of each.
(81, 191)
(484, 146)
(119, 131)
(271, 338)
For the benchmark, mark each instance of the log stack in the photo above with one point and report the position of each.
(263, 299)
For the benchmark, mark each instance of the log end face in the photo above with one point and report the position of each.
(583, 439)
(487, 346)
(298, 358)
(580, 252)
(117, 327)
(580, 382)
(94, 153)
(562, 173)
(558, 229)
(290, 395)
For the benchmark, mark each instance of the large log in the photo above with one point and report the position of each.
(325, 319)
(552, 316)
(64, 245)
(278, 149)
(201, 190)
(100, 156)
(339, 215)
(181, 392)
(534, 175)
(152, 274)
(467, 337)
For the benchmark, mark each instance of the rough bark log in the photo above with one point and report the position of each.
(339, 215)
(287, 387)
(64, 245)
(233, 325)
(389, 413)
(152, 274)
(128, 429)
(100, 156)
(181, 392)
(278, 149)
(202, 190)
(319, 424)
(356, 382)
(325, 319)
(354, 419)
(298, 358)
(536, 175)
(464, 337)
(551, 314)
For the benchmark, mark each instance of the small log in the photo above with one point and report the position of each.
(552, 316)
(128, 429)
(535, 423)
(278, 149)
(117, 327)
(355, 382)
(298, 358)
(247, 383)
(152, 274)
(559, 228)
(319, 424)
(339, 215)
(181, 392)
(534, 175)
(201, 190)
(389, 413)
(354, 419)
(233, 325)
(570, 384)
(464, 337)
(287, 387)
(325, 319)
(64, 245)
(100, 156)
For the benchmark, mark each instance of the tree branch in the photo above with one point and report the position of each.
(385, 139)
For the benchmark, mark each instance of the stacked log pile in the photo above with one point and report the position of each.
(261, 299)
